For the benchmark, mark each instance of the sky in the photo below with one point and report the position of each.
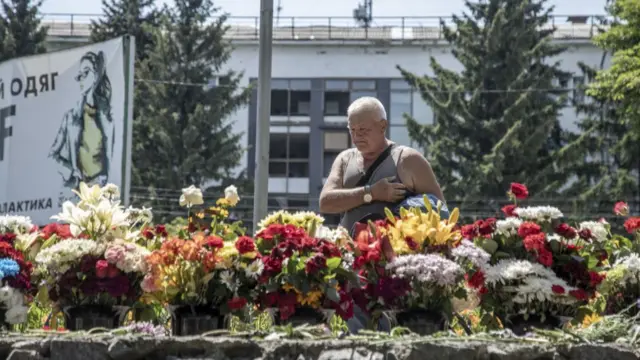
(291, 8)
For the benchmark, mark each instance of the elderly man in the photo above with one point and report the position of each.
(376, 173)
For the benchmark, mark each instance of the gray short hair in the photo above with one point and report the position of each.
(368, 105)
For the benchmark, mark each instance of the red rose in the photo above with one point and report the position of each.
(272, 265)
(621, 208)
(557, 289)
(535, 242)
(595, 279)
(469, 232)
(528, 228)
(237, 303)
(102, 268)
(486, 227)
(509, 210)
(519, 191)
(632, 225)
(585, 234)
(245, 244)
(566, 231)
(315, 264)
(148, 233)
(545, 257)
(161, 230)
(214, 242)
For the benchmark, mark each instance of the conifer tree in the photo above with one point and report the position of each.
(127, 17)
(497, 120)
(189, 138)
(21, 31)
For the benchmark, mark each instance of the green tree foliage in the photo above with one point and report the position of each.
(497, 120)
(127, 17)
(21, 31)
(619, 85)
(188, 138)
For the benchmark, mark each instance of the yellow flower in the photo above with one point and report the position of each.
(589, 320)
(289, 288)
(228, 251)
(312, 298)
(222, 202)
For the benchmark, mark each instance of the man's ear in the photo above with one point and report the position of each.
(383, 125)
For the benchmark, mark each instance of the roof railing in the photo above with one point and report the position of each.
(406, 28)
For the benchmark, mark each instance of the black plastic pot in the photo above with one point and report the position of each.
(188, 320)
(86, 317)
(521, 326)
(422, 322)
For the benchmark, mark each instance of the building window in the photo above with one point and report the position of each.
(339, 94)
(334, 143)
(290, 97)
(400, 105)
(289, 155)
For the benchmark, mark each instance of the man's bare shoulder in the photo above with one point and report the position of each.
(345, 154)
(411, 155)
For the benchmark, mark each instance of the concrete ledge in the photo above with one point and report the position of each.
(83, 347)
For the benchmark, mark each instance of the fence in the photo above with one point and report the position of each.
(165, 206)
(407, 28)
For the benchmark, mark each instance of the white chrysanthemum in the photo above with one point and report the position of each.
(467, 250)
(508, 226)
(15, 224)
(111, 191)
(597, 229)
(511, 269)
(227, 278)
(540, 289)
(538, 213)
(58, 258)
(430, 268)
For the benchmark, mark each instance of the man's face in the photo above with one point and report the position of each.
(367, 132)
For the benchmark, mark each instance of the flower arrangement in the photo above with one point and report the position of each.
(15, 272)
(622, 285)
(203, 270)
(301, 271)
(99, 264)
(210, 263)
(539, 264)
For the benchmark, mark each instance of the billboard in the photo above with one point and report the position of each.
(64, 119)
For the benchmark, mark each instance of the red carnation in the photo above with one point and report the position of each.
(621, 208)
(535, 242)
(545, 257)
(557, 289)
(102, 269)
(632, 225)
(161, 230)
(245, 244)
(519, 191)
(148, 233)
(214, 242)
(509, 210)
(237, 303)
(469, 231)
(486, 227)
(595, 279)
(528, 228)
(566, 231)
(476, 280)
(315, 264)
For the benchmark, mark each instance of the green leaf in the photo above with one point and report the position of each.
(489, 246)
(333, 263)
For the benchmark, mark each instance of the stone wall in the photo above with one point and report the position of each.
(83, 347)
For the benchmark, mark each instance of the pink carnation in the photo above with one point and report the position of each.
(114, 254)
(149, 284)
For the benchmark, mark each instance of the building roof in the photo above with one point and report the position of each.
(308, 29)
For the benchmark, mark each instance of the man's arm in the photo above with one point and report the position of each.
(417, 174)
(334, 199)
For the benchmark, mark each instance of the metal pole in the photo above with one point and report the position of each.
(261, 181)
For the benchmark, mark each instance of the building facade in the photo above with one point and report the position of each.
(319, 69)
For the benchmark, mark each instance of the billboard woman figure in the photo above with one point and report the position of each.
(83, 146)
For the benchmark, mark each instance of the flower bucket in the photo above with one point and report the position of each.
(188, 320)
(304, 315)
(521, 324)
(421, 322)
(87, 317)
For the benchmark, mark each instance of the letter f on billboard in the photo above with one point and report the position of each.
(5, 131)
